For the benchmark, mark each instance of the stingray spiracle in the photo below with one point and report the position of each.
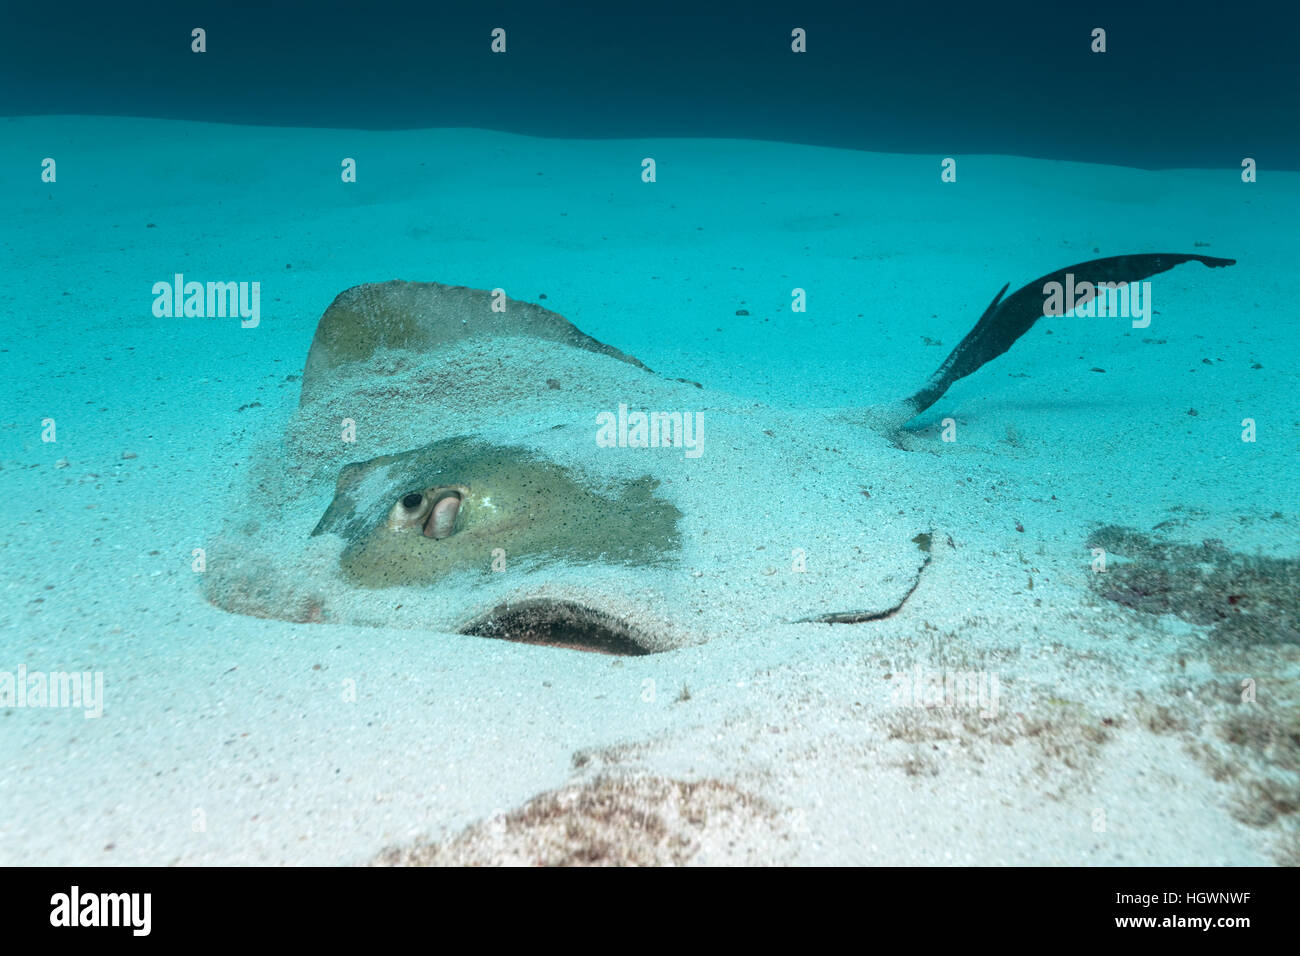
(433, 512)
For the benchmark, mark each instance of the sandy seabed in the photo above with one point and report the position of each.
(1121, 735)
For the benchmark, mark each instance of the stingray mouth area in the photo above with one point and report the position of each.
(436, 512)
(564, 624)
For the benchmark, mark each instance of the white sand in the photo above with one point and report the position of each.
(226, 739)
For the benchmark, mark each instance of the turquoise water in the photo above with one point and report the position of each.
(242, 702)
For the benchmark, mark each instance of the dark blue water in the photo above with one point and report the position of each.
(1183, 85)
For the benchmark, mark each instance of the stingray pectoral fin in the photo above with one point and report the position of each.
(1006, 320)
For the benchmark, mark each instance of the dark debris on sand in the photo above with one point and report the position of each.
(1245, 598)
(635, 820)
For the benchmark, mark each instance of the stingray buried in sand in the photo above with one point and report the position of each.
(454, 451)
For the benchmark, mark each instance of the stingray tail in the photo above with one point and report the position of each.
(1006, 320)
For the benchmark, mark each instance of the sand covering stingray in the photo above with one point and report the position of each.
(555, 537)
(462, 462)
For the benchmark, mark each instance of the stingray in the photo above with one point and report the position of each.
(463, 462)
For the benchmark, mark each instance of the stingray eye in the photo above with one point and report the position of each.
(409, 511)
